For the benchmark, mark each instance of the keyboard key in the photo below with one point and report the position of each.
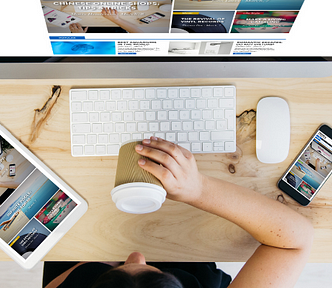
(195, 147)
(172, 93)
(229, 92)
(204, 136)
(142, 126)
(116, 94)
(76, 106)
(105, 117)
(176, 126)
(88, 106)
(195, 93)
(184, 92)
(100, 149)
(206, 92)
(139, 93)
(92, 139)
(222, 125)
(113, 149)
(226, 103)
(114, 138)
(80, 117)
(128, 116)
(229, 115)
(89, 150)
(201, 103)
(108, 127)
(94, 116)
(207, 147)
(150, 93)
(99, 106)
(182, 137)
(170, 137)
(198, 125)
(224, 135)
(81, 128)
(93, 95)
(78, 139)
(104, 95)
(137, 136)
(173, 115)
(97, 127)
(110, 105)
(79, 95)
(77, 150)
(161, 93)
(184, 114)
(218, 91)
(164, 126)
(120, 127)
(229, 146)
(193, 136)
(154, 126)
(187, 126)
(150, 116)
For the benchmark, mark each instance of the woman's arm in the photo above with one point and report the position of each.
(286, 236)
(112, 15)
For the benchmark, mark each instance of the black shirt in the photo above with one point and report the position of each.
(191, 275)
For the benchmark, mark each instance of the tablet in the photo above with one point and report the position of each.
(36, 207)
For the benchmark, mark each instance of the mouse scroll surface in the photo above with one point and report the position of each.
(272, 130)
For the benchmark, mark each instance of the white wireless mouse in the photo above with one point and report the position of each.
(272, 130)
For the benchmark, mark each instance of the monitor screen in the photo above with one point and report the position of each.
(165, 31)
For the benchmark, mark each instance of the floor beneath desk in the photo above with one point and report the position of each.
(313, 275)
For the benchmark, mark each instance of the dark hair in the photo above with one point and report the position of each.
(121, 279)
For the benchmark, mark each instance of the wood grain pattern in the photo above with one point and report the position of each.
(177, 232)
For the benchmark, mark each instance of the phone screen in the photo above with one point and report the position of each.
(312, 167)
(152, 18)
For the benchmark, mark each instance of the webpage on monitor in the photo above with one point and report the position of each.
(179, 28)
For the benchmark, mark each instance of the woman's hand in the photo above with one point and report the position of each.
(77, 28)
(110, 14)
(178, 170)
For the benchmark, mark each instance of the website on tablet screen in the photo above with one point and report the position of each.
(31, 205)
(166, 28)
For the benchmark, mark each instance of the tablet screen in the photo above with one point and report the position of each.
(31, 205)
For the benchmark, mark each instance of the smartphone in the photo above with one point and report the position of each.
(151, 18)
(311, 168)
(12, 170)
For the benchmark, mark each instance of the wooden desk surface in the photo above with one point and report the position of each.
(177, 232)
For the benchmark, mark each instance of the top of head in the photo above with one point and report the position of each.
(272, 130)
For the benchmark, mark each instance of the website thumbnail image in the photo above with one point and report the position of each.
(311, 169)
(31, 205)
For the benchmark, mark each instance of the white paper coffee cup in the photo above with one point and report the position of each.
(136, 190)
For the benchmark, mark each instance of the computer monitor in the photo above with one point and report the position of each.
(164, 39)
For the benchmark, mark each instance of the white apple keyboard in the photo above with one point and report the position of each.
(201, 119)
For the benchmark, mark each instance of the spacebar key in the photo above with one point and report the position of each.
(222, 135)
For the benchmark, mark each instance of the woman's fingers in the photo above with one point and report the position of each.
(160, 157)
(159, 171)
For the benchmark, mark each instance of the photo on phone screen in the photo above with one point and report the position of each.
(310, 170)
(152, 18)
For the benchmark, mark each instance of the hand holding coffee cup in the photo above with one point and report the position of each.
(174, 166)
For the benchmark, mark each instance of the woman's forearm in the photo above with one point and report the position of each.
(268, 221)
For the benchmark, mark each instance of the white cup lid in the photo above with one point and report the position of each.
(138, 197)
